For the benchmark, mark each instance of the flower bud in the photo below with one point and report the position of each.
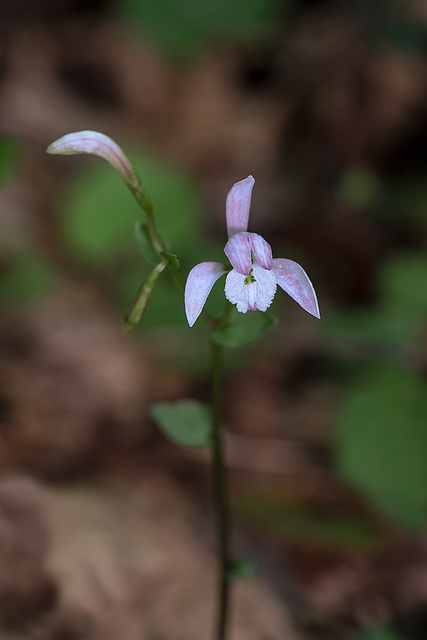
(97, 144)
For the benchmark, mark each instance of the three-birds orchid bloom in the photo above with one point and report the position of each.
(251, 284)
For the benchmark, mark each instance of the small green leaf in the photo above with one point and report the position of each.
(187, 422)
(144, 243)
(242, 328)
(241, 569)
(172, 258)
(99, 213)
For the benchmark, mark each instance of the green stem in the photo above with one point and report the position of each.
(221, 499)
(145, 203)
(220, 488)
(141, 196)
(137, 309)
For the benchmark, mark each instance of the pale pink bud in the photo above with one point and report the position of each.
(97, 144)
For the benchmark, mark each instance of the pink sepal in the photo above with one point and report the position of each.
(261, 250)
(199, 283)
(237, 206)
(238, 250)
(294, 280)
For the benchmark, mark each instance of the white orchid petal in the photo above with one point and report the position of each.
(237, 206)
(294, 280)
(97, 144)
(238, 251)
(251, 293)
(235, 290)
(261, 250)
(199, 283)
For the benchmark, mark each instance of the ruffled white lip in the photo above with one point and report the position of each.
(253, 292)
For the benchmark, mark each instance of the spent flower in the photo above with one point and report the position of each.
(252, 282)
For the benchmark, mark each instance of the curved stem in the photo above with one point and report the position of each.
(144, 202)
(220, 489)
(142, 198)
(221, 499)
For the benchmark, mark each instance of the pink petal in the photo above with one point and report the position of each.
(199, 283)
(237, 206)
(97, 144)
(261, 250)
(238, 251)
(294, 280)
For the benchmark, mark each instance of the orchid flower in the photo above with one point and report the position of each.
(252, 282)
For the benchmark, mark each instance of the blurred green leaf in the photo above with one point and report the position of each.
(166, 307)
(10, 151)
(187, 422)
(378, 634)
(183, 28)
(306, 526)
(402, 283)
(401, 312)
(99, 212)
(381, 443)
(380, 327)
(360, 187)
(358, 324)
(241, 328)
(99, 216)
(26, 278)
(241, 569)
(405, 201)
(405, 34)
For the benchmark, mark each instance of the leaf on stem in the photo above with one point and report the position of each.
(172, 258)
(187, 423)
